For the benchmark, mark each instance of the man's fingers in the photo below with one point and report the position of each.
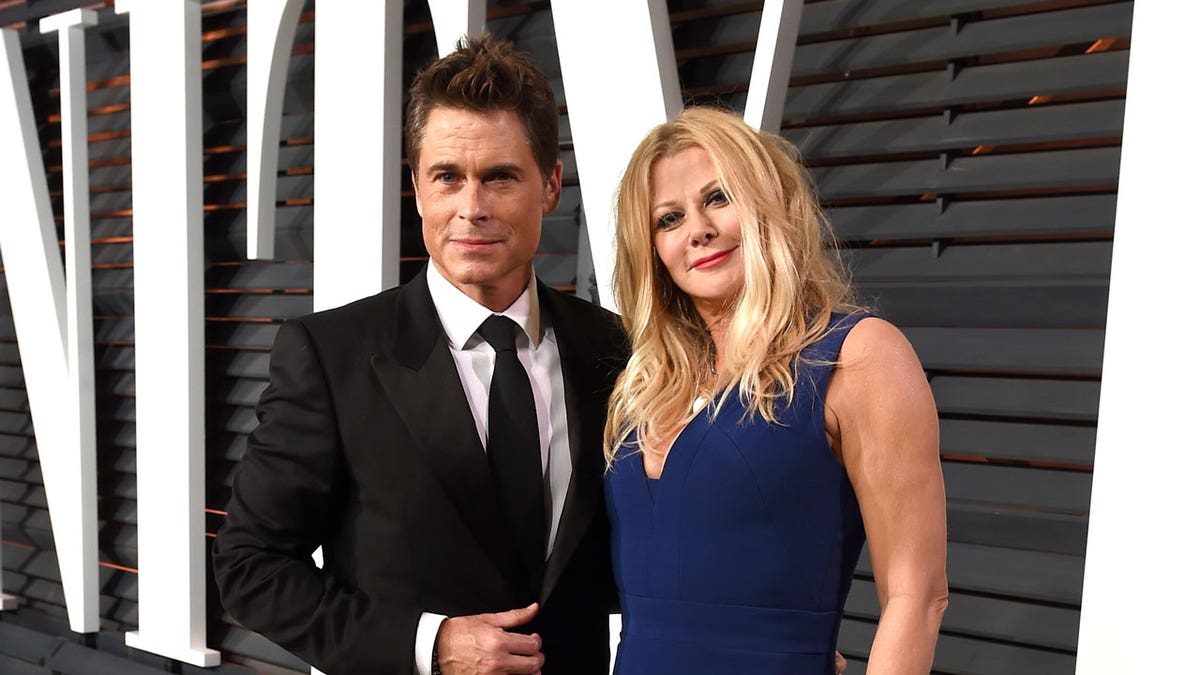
(839, 663)
(524, 665)
(524, 645)
(513, 617)
(473, 645)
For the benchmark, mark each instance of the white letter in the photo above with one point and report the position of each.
(53, 319)
(270, 30)
(772, 69)
(357, 153)
(452, 19)
(1143, 491)
(168, 295)
(612, 101)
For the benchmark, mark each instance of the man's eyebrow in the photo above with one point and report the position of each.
(503, 168)
(442, 167)
(452, 167)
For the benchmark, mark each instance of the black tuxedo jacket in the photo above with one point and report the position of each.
(366, 446)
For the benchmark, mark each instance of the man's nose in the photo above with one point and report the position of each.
(473, 201)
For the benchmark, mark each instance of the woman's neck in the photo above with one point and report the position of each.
(717, 320)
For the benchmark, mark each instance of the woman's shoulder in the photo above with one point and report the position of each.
(869, 338)
(826, 348)
(875, 360)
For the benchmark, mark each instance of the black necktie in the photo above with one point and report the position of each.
(514, 451)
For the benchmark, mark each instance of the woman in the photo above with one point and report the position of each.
(763, 427)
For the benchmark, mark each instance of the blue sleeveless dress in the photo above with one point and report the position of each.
(739, 558)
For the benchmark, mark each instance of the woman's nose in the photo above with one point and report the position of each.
(701, 230)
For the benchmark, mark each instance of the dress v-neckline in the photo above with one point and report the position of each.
(653, 483)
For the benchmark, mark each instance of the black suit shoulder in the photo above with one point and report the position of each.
(598, 329)
(370, 319)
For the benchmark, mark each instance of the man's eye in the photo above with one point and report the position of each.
(716, 198)
(669, 220)
(444, 178)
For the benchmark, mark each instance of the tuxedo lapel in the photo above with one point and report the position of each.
(585, 407)
(422, 384)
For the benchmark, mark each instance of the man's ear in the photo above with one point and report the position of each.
(553, 190)
(416, 193)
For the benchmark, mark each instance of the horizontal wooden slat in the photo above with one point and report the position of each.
(1042, 304)
(965, 656)
(1049, 351)
(987, 617)
(1017, 397)
(969, 39)
(1064, 216)
(1022, 80)
(1031, 124)
(739, 21)
(1049, 578)
(1034, 489)
(1059, 169)
(1019, 441)
(1000, 262)
(1017, 527)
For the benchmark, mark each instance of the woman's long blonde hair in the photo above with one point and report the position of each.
(793, 281)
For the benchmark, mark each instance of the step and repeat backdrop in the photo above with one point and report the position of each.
(967, 153)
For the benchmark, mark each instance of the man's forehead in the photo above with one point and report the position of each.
(454, 136)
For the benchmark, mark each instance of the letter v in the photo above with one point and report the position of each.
(53, 319)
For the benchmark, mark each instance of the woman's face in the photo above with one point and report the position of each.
(696, 231)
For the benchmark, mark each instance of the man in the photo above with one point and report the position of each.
(443, 476)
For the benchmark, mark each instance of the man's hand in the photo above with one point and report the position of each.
(481, 644)
(839, 663)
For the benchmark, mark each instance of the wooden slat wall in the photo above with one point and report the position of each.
(966, 150)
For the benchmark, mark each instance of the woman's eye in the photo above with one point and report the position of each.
(669, 220)
(716, 198)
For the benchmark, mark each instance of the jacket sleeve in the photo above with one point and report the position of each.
(288, 498)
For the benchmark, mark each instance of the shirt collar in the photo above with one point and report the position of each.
(460, 315)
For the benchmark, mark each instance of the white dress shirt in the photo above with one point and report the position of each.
(474, 358)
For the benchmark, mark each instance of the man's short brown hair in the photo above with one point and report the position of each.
(487, 75)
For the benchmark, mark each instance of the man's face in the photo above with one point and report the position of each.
(481, 198)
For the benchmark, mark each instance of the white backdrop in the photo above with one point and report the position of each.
(1139, 595)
